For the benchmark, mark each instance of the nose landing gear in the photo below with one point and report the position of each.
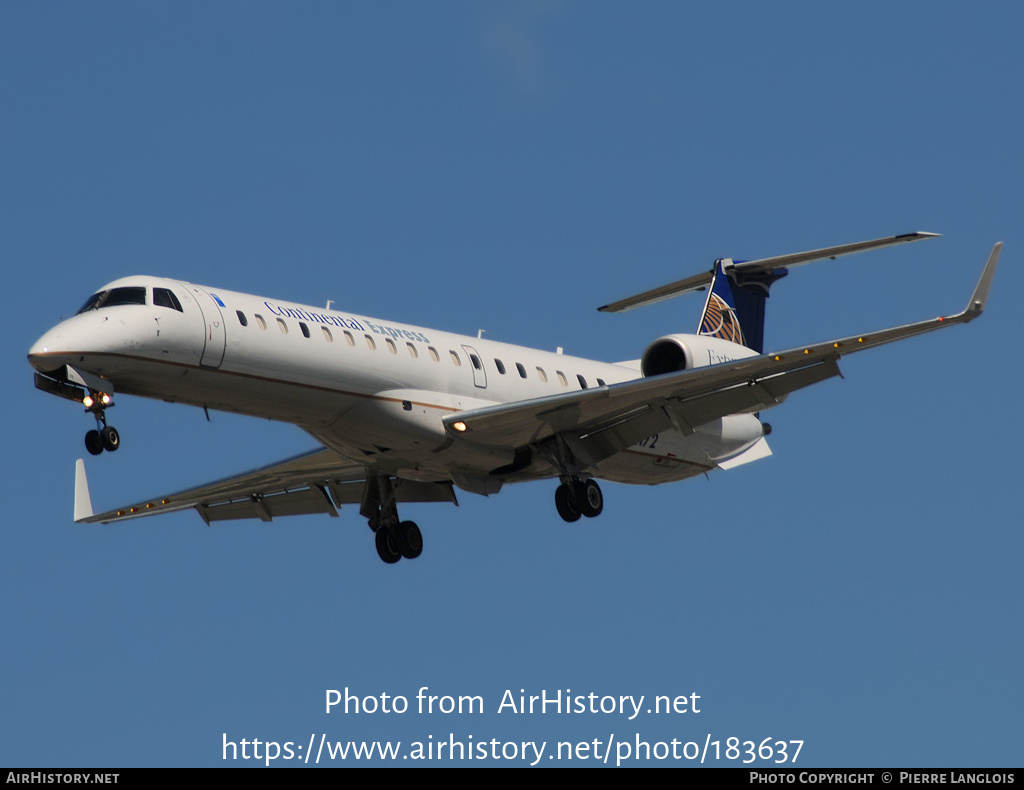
(105, 437)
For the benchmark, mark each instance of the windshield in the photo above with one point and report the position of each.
(115, 296)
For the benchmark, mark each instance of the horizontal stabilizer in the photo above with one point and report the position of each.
(755, 453)
(762, 266)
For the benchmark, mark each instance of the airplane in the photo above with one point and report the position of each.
(407, 414)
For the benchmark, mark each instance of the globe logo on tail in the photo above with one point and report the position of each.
(720, 321)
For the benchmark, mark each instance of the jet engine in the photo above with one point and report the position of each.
(682, 352)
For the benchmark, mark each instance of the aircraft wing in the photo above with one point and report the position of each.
(604, 420)
(316, 482)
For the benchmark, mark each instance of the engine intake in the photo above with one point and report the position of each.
(682, 352)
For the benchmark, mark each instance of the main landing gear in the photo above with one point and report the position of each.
(578, 495)
(575, 498)
(394, 539)
(401, 540)
(105, 437)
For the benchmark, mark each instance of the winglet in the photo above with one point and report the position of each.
(83, 504)
(980, 296)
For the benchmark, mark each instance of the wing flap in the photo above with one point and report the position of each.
(686, 414)
(267, 508)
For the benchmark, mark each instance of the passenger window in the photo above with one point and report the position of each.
(455, 359)
(561, 378)
(581, 380)
(304, 328)
(500, 366)
(521, 369)
(164, 297)
(433, 354)
(370, 343)
(327, 334)
(542, 374)
(600, 383)
(259, 320)
(412, 350)
(349, 339)
(241, 316)
(476, 361)
(282, 326)
(391, 345)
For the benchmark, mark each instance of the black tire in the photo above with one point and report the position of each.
(591, 500)
(387, 546)
(93, 442)
(111, 438)
(566, 505)
(410, 540)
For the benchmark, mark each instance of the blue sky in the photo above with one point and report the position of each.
(511, 166)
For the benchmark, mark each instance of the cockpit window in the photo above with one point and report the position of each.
(93, 302)
(163, 297)
(120, 296)
(114, 297)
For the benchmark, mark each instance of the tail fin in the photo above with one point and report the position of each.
(734, 309)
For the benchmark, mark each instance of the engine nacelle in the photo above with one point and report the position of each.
(682, 352)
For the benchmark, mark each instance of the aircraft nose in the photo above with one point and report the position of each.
(42, 354)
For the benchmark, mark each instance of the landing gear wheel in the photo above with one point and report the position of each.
(591, 500)
(410, 540)
(93, 442)
(566, 504)
(387, 546)
(111, 438)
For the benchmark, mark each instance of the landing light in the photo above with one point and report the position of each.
(459, 426)
(104, 399)
(87, 401)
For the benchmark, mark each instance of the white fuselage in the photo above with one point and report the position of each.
(374, 391)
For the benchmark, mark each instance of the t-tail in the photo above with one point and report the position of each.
(738, 290)
(734, 309)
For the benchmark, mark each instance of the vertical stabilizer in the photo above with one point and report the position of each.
(734, 309)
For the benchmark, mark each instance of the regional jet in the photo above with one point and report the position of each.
(407, 414)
